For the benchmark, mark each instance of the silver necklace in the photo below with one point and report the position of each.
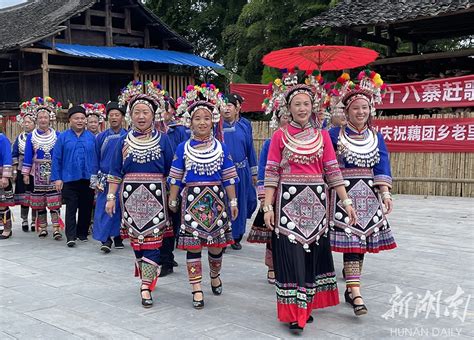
(22, 143)
(44, 142)
(362, 153)
(143, 150)
(206, 160)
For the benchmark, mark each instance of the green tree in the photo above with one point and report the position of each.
(200, 22)
(267, 25)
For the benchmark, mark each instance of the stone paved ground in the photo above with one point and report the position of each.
(49, 291)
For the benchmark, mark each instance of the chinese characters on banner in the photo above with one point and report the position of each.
(447, 92)
(427, 135)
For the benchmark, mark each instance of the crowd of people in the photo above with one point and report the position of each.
(185, 173)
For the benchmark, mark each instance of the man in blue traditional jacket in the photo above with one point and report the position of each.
(74, 171)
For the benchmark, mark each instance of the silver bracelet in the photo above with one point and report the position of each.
(173, 204)
(233, 202)
(386, 194)
(110, 197)
(347, 202)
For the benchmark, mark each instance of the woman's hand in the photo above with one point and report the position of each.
(352, 214)
(26, 179)
(269, 218)
(5, 181)
(388, 205)
(173, 207)
(234, 211)
(110, 207)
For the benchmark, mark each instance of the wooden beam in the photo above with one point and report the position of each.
(38, 50)
(31, 73)
(109, 39)
(136, 70)
(45, 72)
(427, 56)
(90, 28)
(360, 35)
(89, 69)
(97, 13)
(118, 15)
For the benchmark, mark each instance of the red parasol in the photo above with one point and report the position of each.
(320, 57)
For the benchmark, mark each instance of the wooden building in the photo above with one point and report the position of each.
(404, 29)
(87, 50)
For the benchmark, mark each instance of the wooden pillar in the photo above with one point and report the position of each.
(45, 72)
(136, 71)
(392, 48)
(128, 22)
(414, 47)
(109, 39)
(348, 39)
(68, 32)
(88, 19)
(146, 40)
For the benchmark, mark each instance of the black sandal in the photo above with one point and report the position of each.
(359, 309)
(198, 304)
(343, 273)
(33, 227)
(25, 227)
(57, 235)
(218, 289)
(310, 319)
(295, 329)
(43, 233)
(347, 297)
(271, 280)
(147, 303)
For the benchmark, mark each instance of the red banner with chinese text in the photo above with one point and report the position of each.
(427, 135)
(447, 92)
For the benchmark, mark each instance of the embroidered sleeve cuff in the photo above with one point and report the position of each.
(333, 174)
(7, 171)
(229, 173)
(254, 170)
(176, 176)
(26, 170)
(383, 180)
(114, 179)
(260, 190)
(232, 181)
(272, 174)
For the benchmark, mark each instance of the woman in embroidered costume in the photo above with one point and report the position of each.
(298, 158)
(39, 149)
(6, 187)
(203, 168)
(25, 120)
(365, 164)
(140, 165)
(95, 114)
(274, 104)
